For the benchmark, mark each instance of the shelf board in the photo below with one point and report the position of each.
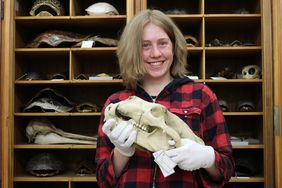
(94, 49)
(257, 146)
(194, 50)
(239, 49)
(53, 146)
(242, 113)
(232, 15)
(119, 81)
(102, 82)
(234, 81)
(64, 177)
(41, 50)
(67, 82)
(58, 50)
(56, 114)
(35, 82)
(99, 114)
(246, 179)
(27, 19)
(234, 18)
(65, 20)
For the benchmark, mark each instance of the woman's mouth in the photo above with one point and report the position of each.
(156, 63)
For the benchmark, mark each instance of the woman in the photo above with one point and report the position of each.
(152, 56)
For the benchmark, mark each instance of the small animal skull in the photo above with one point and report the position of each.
(155, 125)
(251, 72)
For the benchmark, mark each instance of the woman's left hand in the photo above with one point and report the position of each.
(192, 156)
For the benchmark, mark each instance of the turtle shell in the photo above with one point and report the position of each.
(54, 38)
(47, 8)
(44, 165)
(101, 8)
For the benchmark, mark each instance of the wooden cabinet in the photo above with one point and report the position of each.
(230, 35)
(63, 59)
(277, 45)
(1, 158)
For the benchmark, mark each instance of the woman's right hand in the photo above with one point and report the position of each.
(122, 135)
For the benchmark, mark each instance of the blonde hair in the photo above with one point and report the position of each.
(130, 47)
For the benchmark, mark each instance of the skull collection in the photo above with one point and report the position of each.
(156, 127)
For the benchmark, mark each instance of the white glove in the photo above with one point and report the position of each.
(122, 135)
(192, 156)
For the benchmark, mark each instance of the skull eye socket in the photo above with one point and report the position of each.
(119, 115)
(252, 71)
(246, 108)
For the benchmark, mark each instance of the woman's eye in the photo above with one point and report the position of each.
(163, 44)
(146, 45)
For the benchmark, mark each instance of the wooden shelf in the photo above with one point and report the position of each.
(247, 179)
(57, 114)
(55, 146)
(65, 177)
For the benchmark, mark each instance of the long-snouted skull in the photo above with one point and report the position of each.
(156, 126)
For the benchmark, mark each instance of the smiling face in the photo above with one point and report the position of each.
(157, 52)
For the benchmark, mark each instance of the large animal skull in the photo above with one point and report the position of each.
(156, 126)
(251, 72)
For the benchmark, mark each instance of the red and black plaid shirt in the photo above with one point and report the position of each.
(194, 103)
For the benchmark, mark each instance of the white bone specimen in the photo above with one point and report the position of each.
(37, 129)
(251, 72)
(53, 138)
(101, 8)
(156, 126)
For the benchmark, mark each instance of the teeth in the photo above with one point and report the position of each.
(156, 63)
(141, 127)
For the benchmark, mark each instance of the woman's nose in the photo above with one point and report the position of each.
(155, 51)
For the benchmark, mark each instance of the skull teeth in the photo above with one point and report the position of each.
(141, 127)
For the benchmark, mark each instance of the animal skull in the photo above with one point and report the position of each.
(251, 72)
(42, 131)
(156, 126)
